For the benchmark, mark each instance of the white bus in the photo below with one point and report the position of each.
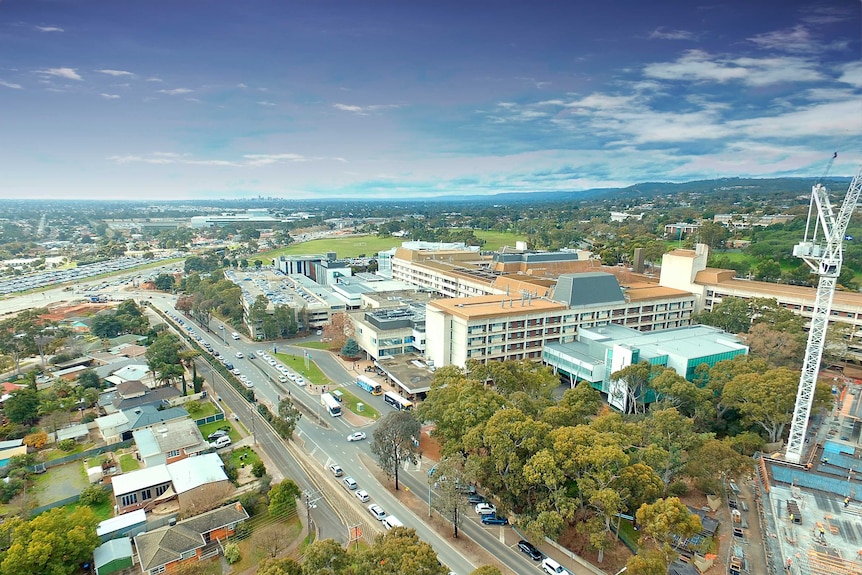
(332, 406)
(397, 401)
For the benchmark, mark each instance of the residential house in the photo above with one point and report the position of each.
(173, 441)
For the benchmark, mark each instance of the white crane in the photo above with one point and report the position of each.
(822, 250)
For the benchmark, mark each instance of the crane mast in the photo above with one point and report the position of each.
(822, 250)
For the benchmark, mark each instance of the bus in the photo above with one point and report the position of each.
(397, 401)
(332, 406)
(369, 385)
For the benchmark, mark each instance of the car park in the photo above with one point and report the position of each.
(336, 470)
(530, 550)
(356, 436)
(377, 511)
(494, 520)
(486, 509)
(362, 495)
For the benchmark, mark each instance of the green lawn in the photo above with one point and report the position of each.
(345, 247)
(312, 373)
(351, 400)
(59, 453)
(102, 511)
(208, 428)
(314, 345)
(496, 240)
(236, 457)
(207, 408)
(129, 463)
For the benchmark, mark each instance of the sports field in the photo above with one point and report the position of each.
(355, 246)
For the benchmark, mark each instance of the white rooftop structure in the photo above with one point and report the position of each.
(196, 471)
(113, 524)
(140, 479)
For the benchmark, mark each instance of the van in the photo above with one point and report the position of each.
(350, 483)
(391, 522)
(235, 335)
(220, 442)
(552, 567)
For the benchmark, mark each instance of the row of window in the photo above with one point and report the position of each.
(145, 495)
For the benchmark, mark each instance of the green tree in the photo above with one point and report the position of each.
(286, 566)
(288, 418)
(282, 498)
(52, 543)
(325, 556)
(393, 441)
(351, 349)
(398, 552)
(486, 570)
(448, 476)
(106, 325)
(660, 521)
(22, 406)
(89, 379)
(731, 314)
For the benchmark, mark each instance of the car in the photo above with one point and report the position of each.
(299, 381)
(350, 483)
(336, 470)
(475, 499)
(485, 509)
(282, 379)
(271, 362)
(216, 434)
(239, 355)
(235, 371)
(222, 441)
(251, 355)
(494, 520)
(356, 436)
(261, 353)
(530, 550)
(362, 495)
(377, 512)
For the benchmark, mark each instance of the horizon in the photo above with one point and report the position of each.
(333, 100)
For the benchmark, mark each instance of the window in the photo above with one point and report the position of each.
(188, 554)
(174, 453)
(146, 494)
(157, 570)
(129, 499)
(161, 489)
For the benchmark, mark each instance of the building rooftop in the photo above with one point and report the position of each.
(196, 471)
(139, 479)
(490, 306)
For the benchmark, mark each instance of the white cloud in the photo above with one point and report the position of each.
(195, 100)
(363, 110)
(247, 160)
(851, 73)
(265, 103)
(700, 66)
(266, 159)
(110, 96)
(11, 85)
(68, 73)
(176, 91)
(154, 80)
(241, 85)
(662, 33)
(115, 72)
(49, 29)
(797, 40)
(844, 117)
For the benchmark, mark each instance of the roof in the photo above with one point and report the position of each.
(134, 371)
(137, 517)
(132, 388)
(7, 454)
(155, 398)
(111, 421)
(10, 443)
(114, 549)
(772, 290)
(494, 306)
(145, 441)
(73, 432)
(177, 435)
(161, 546)
(642, 291)
(139, 479)
(147, 415)
(589, 288)
(192, 472)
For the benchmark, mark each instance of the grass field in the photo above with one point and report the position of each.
(312, 374)
(236, 457)
(369, 245)
(102, 511)
(351, 400)
(129, 463)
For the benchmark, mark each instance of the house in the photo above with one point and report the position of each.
(131, 394)
(76, 432)
(119, 426)
(120, 525)
(133, 372)
(173, 441)
(7, 454)
(194, 482)
(113, 556)
(192, 539)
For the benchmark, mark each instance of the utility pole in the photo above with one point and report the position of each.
(311, 498)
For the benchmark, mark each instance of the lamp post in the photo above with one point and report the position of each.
(430, 481)
(221, 334)
(251, 412)
(311, 499)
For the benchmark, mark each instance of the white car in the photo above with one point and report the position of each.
(358, 436)
(362, 495)
(377, 512)
(299, 381)
(486, 509)
(271, 362)
(239, 355)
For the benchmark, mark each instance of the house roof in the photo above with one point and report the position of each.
(73, 432)
(132, 388)
(155, 397)
(173, 435)
(134, 371)
(139, 479)
(192, 472)
(112, 421)
(114, 549)
(137, 517)
(161, 546)
(147, 415)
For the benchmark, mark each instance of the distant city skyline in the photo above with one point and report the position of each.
(157, 99)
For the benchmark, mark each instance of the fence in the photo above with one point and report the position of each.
(82, 455)
(73, 499)
(210, 419)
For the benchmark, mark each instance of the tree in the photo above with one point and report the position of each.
(163, 357)
(768, 271)
(448, 476)
(660, 521)
(22, 406)
(52, 543)
(338, 330)
(351, 349)
(393, 442)
(282, 498)
(647, 562)
(397, 552)
(325, 556)
(93, 495)
(106, 325)
(635, 381)
(285, 566)
(486, 570)
(271, 540)
(778, 348)
(288, 418)
(89, 379)
(731, 314)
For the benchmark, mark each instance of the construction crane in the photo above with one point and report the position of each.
(822, 250)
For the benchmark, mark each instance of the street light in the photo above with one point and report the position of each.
(221, 334)
(252, 414)
(430, 480)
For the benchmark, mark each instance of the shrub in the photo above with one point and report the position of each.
(231, 553)
(93, 495)
(193, 407)
(250, 502)
(677, 489)
(89, 418)
(9, 489)
(258, 469)
(36, 440)
(67, 444)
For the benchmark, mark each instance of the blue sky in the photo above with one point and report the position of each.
(157, 99)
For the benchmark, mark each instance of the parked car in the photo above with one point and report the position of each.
(530, 550)
(486, 509)
(362, 495)
(356, 436)
(222, 441)
(216, 434)
(377, 512)
(475, 499)
(494, 520)
(336, 470)
(251, 355)
(239, 355)
(350, 483)
(552, 567)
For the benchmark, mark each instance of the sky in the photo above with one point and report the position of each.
(310, 99)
